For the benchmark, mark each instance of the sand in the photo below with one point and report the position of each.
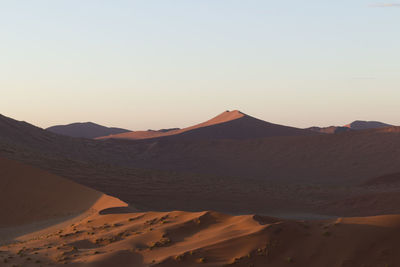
(56, 222)
(313, 174)
(48, 220)
(227, 125)
(33, 199)
(211, 239)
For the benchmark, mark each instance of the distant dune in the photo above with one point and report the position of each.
(365, 125)
(85, 130)
(356, 126)
(330, 129)
(227, 125)
(310, 174)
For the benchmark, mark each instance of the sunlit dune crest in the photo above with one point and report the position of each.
(227, 125)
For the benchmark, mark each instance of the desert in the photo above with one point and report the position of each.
(199, 133)
(171, 210)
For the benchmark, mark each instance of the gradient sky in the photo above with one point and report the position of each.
(171, 63)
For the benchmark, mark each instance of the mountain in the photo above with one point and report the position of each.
(365, 125)
(330, 129)
(356, 126)
(227, 125)
(85, 130)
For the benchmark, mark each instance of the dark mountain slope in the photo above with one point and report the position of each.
(85, 130)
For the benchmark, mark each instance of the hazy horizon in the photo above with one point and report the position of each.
(302, 64)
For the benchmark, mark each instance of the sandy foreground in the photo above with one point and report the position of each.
(63, 223)
(208, 239)
(46, 220)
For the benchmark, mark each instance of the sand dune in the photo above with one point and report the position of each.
(114, 236)
(212, 239)
(330, 129)
(312, 174)
(228, 125)
(30, 195)
(354, 126)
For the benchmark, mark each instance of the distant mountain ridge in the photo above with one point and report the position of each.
(354, 126)
(365, 125)
(330, 129)
(85, 130)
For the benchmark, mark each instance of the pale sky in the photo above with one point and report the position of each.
(172, 63)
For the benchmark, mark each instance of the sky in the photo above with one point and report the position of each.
(154, 64)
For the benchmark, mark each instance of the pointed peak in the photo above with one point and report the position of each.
(235, 111)
(227, 116)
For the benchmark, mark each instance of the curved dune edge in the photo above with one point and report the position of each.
(32, 200)
(213, 239)
(107, 202)
(43, 228)
(221, 118)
